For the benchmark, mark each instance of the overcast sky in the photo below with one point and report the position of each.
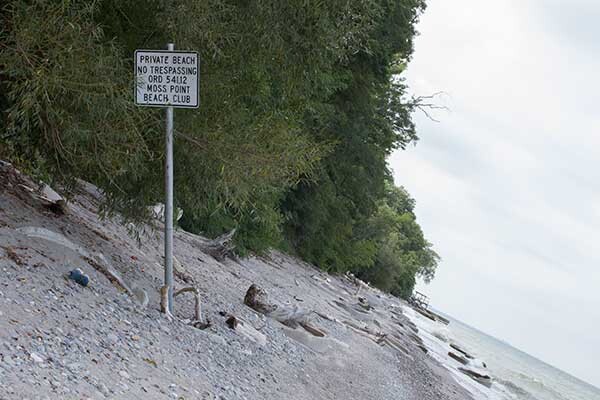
(508, 182)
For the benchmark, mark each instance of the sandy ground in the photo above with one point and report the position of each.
(59, 340)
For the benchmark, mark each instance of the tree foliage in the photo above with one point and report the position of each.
(301, 103)
(370, 118)
(401, 251)
(69, 111)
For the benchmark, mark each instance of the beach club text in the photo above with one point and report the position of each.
(166, 78)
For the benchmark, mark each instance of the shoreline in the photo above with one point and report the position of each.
(455, 357)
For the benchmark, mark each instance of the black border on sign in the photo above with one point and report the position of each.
(164, 105)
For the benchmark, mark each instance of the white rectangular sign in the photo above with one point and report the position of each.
(166, 78)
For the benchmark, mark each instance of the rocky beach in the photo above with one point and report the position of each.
(109, 340)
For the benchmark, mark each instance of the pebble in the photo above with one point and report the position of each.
(111, 337)
(124, 374)
(103, 389)
(37, 358)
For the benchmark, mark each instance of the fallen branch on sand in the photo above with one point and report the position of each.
(221, 247)
(164, 305)
(43, 195)
(356, 282)
(375, 336)
(292, 316)
(197, 314)
(111, 275)
(244, 328)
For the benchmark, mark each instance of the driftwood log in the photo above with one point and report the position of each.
(196, 293)
(292, 316)
(356, 282)
(458, 358)
(164, 301)
(221, 247)
(110, 274)
(181, 272)
(48, 198)
(164, 305)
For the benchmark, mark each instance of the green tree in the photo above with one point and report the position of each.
(301, 104)
(402, 252)
(367, 118)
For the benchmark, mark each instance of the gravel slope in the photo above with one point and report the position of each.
(59, 340)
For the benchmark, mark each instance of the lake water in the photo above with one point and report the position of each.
(515, 374)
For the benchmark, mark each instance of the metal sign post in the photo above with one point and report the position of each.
(169, 202)
(167, 79)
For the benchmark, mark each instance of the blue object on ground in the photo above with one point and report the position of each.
(78, 276)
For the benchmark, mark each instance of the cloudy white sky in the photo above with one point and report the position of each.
(508, 182)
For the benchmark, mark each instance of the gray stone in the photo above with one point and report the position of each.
(37, 358)
(103, 389)
(141, 296)
(112, 338)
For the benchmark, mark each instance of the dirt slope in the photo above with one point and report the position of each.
(59, 340)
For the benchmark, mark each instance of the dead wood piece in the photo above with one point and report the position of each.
(222, 246)
(412, 326)
(458, 358)
(245, 329)
(396, 344)
(257, 299)
(57, 206)
(180, 272)
(365, 334)
(164, 301)
(461, 351)
(381, 339)
(474, 374)
(483, 379)
(311, 329)
(98, 233)
(325, 316)
(425, 313)
(364, 303)
(365, 329)
(232, 322)
(416, 338)
(377, 337)
(12, 255)
(111, 275)
(164, 306)
(289, 316)
(201, 325)
(292, 316)
(356, 282)
(197, 311)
